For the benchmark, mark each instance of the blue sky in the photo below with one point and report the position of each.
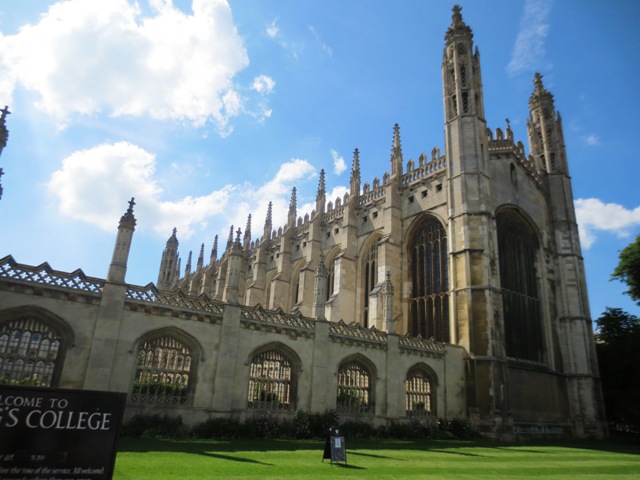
(205, 111)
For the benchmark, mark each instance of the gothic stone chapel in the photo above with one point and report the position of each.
(452, 288)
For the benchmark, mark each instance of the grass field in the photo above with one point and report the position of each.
(140, 459)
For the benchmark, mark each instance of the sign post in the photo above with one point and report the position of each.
(334, 447)
(65, 434)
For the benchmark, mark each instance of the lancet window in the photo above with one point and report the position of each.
(30, 352)
(370, 267)
(429, 303)
(271, 382)
(164, 372)
(354, 388)
(518, 247)
(331, 276)
(419, 393)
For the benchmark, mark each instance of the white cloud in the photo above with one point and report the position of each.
(107, 56)
(263, 84)
(93, 186)
(592, 140)
(272, 30)
(339, 165)
(529, 50)
(593, 215)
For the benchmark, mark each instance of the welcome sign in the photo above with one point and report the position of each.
(58, 434)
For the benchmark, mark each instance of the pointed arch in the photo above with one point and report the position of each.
(295, 295)
(519, 263)
(428, 270)
(274, 370)
(369, 273)
(330, 265)
(166, 367)
(33, 345)
(420, 391)
(356, 385)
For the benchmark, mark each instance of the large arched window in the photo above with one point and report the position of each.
(517, 249)
(420, 392)
(31, 351)
(272, 381)
(164, 371)
(429, 302)
(370, 278)
(355, 388)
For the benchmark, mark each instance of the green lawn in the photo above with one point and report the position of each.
(140, 459)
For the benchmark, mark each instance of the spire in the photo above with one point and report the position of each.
(268, 226)
(355, 175)
(230, 238)
(187, 270)
(247, 234)
(321, 196)
(292, 208)
(396, 153)
(462, 80)
(214, 250)
(546, 138)
(200, 258)
(321, 186)
(169, 265)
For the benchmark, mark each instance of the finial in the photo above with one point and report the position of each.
(537, 80)
(230, 238)
(238, 233)
(321, 186)
(396, 148)
(247, 230)
(128, 220)
(214, 250)
(267, 222)
(293, 202)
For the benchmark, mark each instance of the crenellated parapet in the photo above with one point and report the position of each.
(504, 147)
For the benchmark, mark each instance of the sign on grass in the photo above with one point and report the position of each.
(58, 434)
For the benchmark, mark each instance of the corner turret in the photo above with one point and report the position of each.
(118, 267)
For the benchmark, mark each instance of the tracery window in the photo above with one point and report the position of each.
(517, 248)
(419, 393)
(271, 382)
(164, 372)
(370, 267)
(354, 388)
(30, 352)
(331, 276)
(429, 302)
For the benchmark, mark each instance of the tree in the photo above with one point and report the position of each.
(617, 346)
(628, 269)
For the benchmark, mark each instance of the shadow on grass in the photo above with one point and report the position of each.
(353, 452)
(455, 447)
(234, 459)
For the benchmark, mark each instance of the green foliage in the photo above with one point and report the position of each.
(156, 387)
(25, 382)
(617, 346)
(628, 269)
(220, 428)
(460, 428)
(153, 426)
(319, 424)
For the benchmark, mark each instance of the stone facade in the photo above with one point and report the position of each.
(452, 287)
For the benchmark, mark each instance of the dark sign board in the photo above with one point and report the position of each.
(335, 449)
(58, 434)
